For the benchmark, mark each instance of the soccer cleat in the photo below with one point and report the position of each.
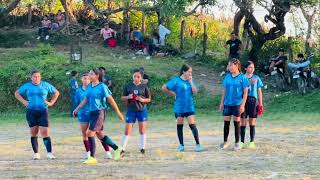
(50, 156)
(180, 148)
(143, 151)
(90, 160)
(47, 37)
(237, 147)
(108, 155)
(117, 154)
(36, 156)
(199, 148)
(38, 38)
(252, 145)
(242, 145)
(224, 145)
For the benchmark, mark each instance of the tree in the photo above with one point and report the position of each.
(277, 9)
(310, 13)
(68, 7)
(10, 7)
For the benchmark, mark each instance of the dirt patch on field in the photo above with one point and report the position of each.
(284, 152)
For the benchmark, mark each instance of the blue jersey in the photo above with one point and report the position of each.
(253, 87)
(73, 86)
(184, 96)
(36, 95)
(234, 87)
(97, 96)
(80, 95)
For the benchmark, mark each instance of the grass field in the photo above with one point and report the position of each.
(287, 135)
(287, 148)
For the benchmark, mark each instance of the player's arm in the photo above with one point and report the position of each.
(20, 98)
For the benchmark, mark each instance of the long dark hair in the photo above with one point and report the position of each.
(184, 68)
(248, 64)
(99, 73)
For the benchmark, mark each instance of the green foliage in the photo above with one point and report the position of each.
(9, 39)
(54, 66)
(294, 102)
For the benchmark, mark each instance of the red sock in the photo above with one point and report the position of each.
(86, 145)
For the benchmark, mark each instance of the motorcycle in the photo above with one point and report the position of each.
(277, 75)
(300, 77)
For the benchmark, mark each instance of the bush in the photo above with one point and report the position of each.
(54, 66)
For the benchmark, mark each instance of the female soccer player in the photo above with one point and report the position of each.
(33, 95)
(84, 117)
(233, 99)
(137, 94)
(183, 89)
(96, 92)
(251, 107)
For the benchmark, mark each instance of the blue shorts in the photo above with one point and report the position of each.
(231, 111)
(37, 118)
(96, 120)
(84, 117)
(133, 116)
(184, 115)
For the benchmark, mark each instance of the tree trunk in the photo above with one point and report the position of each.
(143, 23)
(310, 20)
(182, 29)
(236, 21)
(68, 8)
(205, 38)
(290, 51)
(126, 25)
(29, 14)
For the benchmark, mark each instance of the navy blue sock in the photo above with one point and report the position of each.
(34, 144)
(226, 130)
(92, 143)
(109, 141)
(236, 130)
(195, 132)
(243, 133)
(252, 133)
(180, 133)
(47, 143)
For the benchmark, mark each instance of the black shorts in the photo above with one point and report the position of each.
(184, 115)
(251, 108)
(37, 118)
(96, 120)
(231, 111)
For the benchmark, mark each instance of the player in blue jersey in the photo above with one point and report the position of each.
(96, 93)
(233, 99)
(84, 117)
(137, 95)
(33, 95)
(253, 104)
(73, 87)
(183, 89)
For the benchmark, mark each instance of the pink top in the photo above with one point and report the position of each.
(106, 33)
(46, 23)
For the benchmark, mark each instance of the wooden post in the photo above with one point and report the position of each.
(205, 38)
(29, 14)
(182, 28)
(290, 51)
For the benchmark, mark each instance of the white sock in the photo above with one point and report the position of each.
(143, 138)
(125, 139)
